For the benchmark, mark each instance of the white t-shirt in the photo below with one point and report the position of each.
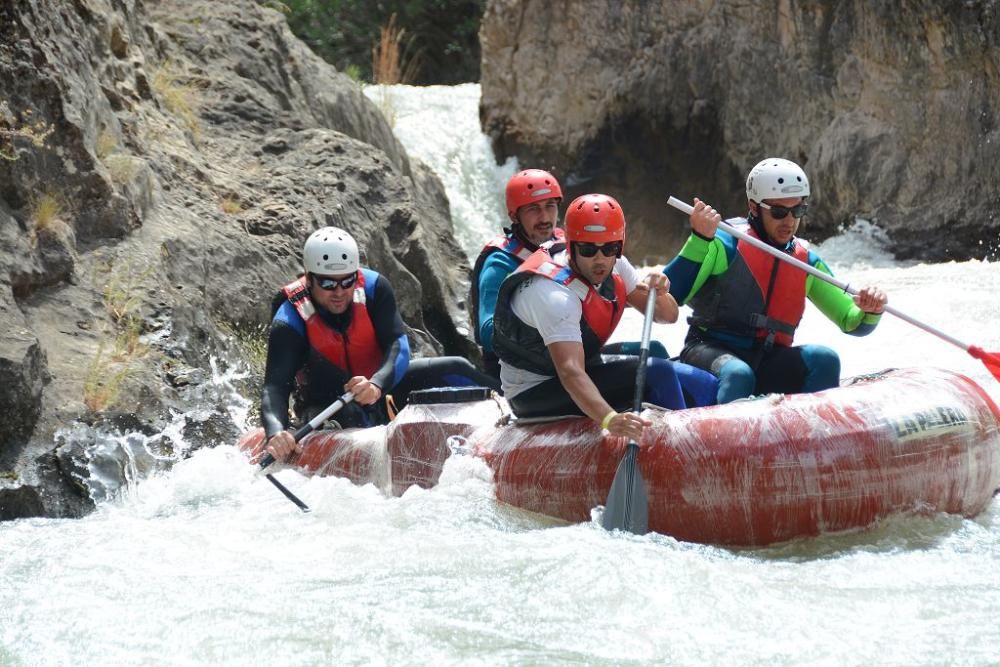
(555, 312)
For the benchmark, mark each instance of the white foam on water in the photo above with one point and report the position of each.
(209, 564)
(440, 126)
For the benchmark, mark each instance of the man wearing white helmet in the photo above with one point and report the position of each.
(747, 304)
(336, 329)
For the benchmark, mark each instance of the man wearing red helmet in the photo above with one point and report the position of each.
(533, 198)
(554, 314)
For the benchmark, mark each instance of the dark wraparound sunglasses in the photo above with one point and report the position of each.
(333, 283)
(590, 249)
(779, 212)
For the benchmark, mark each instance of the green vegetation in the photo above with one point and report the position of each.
(180, 96)
(276, 5)
(250, 346)
(250, 341)
(442, 34)
(102, 387)
(122, 290)
(122, 167)
(105, 144)
(354, 72)
(45, 210)
(127, 343)
(108, 372)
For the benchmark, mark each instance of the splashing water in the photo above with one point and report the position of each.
(440, 125)
(208, 564)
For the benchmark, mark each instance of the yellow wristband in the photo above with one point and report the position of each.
(607, 419)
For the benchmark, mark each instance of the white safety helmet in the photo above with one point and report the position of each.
(776, 178)
(330, 251)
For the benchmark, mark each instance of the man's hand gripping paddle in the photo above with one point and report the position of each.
(990, 359)
(313, 424)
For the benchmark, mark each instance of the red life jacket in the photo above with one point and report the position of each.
(508, 244)
(600, 313)
(785, 299)
(758, 296)
(356, 351)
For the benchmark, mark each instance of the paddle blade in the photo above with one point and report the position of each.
(628, 503)
(990, 359)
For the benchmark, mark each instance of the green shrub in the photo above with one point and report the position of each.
(45, 210)
(343, 32)
(122, 167)
(231, 205)
(354, 72)
(103, 383)
(181, 97)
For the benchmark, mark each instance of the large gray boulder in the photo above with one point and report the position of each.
(23, 372)
(891, 107)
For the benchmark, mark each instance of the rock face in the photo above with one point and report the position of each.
(891, 108)
(189, 149)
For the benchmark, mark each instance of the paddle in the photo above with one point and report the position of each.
(990, 359)
(308, 428)
(628, 503)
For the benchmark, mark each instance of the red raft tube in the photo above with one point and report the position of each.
(749, 473)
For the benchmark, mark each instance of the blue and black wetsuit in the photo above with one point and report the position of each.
(294, 364)
(498, 259)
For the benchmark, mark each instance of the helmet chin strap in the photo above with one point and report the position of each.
(757, 224)
(518, 230)
(573, 264)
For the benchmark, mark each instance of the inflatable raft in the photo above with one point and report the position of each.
(751, 473)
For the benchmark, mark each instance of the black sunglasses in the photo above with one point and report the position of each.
(333, 283)
(779, 212)
(590, 249)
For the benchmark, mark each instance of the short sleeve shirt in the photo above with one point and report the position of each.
(555, 312)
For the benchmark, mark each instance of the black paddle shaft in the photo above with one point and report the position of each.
(306, 429)
(314, 423)
(627, 507)
(640, 378)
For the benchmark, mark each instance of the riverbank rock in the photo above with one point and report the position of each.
(890, 108)
(162, 164)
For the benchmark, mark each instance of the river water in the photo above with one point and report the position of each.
(208, 564)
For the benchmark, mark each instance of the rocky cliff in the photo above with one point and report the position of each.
(891, 107)
(163, 162)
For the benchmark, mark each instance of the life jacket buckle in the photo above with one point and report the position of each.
(769, 341)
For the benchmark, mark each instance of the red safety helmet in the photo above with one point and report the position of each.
(594, 218)
(529, 186)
